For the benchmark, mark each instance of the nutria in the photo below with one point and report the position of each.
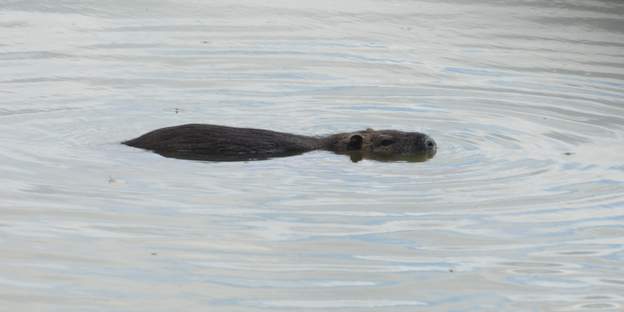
(221, 143)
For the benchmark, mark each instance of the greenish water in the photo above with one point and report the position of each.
(521, 209)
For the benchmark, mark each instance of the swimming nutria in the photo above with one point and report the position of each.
(221, 143)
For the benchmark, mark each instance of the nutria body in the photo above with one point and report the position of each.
(222, 143)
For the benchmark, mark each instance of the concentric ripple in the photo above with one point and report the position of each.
(521, 209)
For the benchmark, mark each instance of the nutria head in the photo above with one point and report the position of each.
(384, 145)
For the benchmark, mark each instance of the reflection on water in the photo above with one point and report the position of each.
(521, 208)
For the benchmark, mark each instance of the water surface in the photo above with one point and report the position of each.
(522, 208)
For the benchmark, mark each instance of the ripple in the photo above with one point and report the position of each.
(334, 304)
(519, 209)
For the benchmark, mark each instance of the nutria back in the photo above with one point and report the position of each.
(222, 143)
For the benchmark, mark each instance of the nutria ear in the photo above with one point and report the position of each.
(355, 142)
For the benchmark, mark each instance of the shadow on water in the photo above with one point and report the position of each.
(357, 156)
(354, 156)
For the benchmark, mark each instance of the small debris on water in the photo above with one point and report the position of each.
(568, 153)
(154, 254)
(115, 181)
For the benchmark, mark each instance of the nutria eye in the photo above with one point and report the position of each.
(387, 142)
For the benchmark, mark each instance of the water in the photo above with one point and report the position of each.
(522, 208)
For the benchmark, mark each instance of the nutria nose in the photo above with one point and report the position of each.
(431, 145)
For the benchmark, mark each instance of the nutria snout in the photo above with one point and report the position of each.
(222, 143)
(432, 146)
